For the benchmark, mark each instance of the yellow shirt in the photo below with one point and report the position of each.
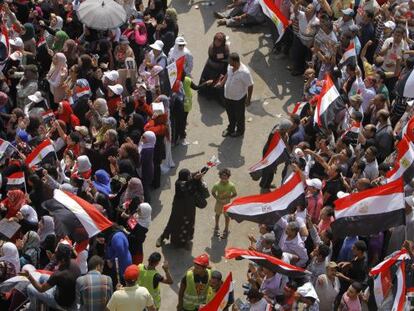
(131, 298)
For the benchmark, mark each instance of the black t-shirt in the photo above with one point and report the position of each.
(358, 271)
(65, 282)
(332, 187)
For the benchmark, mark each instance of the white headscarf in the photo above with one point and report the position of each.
(150, 140)
(48, 228)
(11, 254)
(59, 23)
(144, 217)
(57, 72)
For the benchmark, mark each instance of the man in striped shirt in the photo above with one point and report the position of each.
(93, 290)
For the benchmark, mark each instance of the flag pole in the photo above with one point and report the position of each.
(24, 182)
(117, 270)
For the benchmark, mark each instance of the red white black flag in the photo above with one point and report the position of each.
(404, 163)
(370, 211)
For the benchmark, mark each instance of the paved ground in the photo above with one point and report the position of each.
(274, 91)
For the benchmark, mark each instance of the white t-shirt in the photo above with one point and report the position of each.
(237, 82)
(390, 57)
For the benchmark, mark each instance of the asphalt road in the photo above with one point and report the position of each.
(275, 90)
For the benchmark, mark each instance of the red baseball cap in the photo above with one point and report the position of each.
(202, 260)
(131, 273)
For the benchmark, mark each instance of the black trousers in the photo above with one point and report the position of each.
(300, 55)
(235, 112)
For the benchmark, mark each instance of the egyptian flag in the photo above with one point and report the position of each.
(16, 181)
(4, 46)
(267, 208)
(370, 211)
(400, 288)
(408, 130)
(382, 275)
(349, 56)
(276, 152)
(301, 109)
(405, 86)
(48, 116)
(39, 154)
(351, 134)
(329, 104)
(221, 298)
(267, 261)
(171, 76)
(75, 217)
(281, 22)
(404, 163)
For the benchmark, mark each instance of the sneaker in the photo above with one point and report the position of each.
(218, 15)
(159, 242)
(226, 133)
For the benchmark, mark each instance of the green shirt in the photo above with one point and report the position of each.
(223, 192)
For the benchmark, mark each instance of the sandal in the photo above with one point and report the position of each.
(216, 231)
(225, 234)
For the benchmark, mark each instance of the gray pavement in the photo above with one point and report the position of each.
(275, 90)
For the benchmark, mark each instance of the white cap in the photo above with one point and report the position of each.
(299, 153)
(157, 45)
(180, 41)
(117, 89)
(158, 108)
(410, 103)
(36, 97)
(348, 12)
(112, 75)
(18, 42)
(389, 24)
(315, 183)
(341, 194)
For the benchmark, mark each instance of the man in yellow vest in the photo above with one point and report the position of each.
(151, 279)
(194, 285)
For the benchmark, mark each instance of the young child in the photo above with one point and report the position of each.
(223, 191)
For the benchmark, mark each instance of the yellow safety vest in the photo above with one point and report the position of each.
(195, 295)
(146, 279)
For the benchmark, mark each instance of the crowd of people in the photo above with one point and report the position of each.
(88, 120)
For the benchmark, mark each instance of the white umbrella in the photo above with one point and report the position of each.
(101, 14)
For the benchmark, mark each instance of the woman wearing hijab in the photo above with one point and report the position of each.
(29, 247)
(190, 192)
(13, 203)
(59, 41)
(216, 65)
(179, 50)
(28, 37)
(65, 114)
(139, 220)
(46, 227)
(168, 161)
(146, 147)
(102, 182)
(81, 93)
(9, 261)
(134, 189)
(56, 77)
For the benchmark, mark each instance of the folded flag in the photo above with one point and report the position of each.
(370, 211)
(16, 181)
(329, 104)
(400, 288)
(221, 298)
(349, 56)
(301, 109)
(75, 217)
(40, 153)
(270, 262)
(271, 10)
(276, 152)
(267, 208)
(404, 163)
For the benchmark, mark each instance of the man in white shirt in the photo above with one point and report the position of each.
(238, 89)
